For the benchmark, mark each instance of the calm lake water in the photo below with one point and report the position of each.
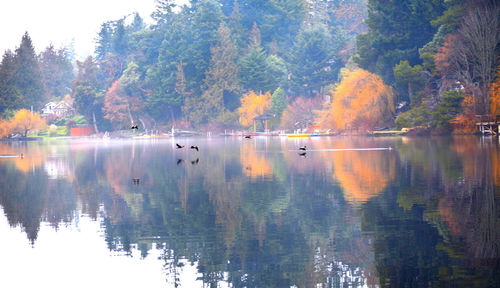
(251, 213)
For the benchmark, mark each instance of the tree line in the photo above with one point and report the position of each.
(197, 65)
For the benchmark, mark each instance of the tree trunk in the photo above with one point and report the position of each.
(95, 124)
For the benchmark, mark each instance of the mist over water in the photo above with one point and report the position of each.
(251, 212)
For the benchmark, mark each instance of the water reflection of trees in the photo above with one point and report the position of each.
(27, 196)
(423, 214)
(438, 226)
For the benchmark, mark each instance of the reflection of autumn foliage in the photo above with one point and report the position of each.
(253, 105)
(468, 206)
(254, 164)
(300, 113)
(363, 174)
(361, 101)
(30, 160)
(495, 168)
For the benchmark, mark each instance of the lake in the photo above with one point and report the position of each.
(350, 212)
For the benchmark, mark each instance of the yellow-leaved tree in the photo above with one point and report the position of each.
(495, 94)
(25, 121)
(360, 102)
(253, 105)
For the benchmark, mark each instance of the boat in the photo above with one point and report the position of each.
(298, 135)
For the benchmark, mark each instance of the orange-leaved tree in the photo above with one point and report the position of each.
(25, 121)
(117, 106)
(495, 94)
(464, 122)
(253, 105)
(361, 101)
(301, 113)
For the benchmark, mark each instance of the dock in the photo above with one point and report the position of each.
(488, 124)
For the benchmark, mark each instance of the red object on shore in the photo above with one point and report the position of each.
(82, 131)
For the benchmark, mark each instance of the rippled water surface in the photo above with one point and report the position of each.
(350, 212)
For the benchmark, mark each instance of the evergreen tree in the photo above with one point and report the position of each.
(57, 72)
(409, 80)
(88, 93)
(278, 102)
(277, 72)
(161, 76)
(206, 20)
(253, 67)
(119, 40)
(28, 77)
(313, 63)
(10, 95)
(396, 29)
(103, 41)
(238, 31)
(221, 81)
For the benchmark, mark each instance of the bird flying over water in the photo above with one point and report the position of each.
(179, 146)
(303, 154)
(195, 147)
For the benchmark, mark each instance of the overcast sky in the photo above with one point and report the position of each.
(61, 21)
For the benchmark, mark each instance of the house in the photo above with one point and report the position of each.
(58, 109)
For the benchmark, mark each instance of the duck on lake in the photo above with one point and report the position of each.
(303, 148)
(179, 146)
(195, 147)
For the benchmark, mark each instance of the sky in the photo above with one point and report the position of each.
(62, 21)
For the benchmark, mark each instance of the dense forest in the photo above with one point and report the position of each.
(216, 64)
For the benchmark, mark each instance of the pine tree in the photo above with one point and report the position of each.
(28, 77)
(10, 96)
(103, 41)
(396, 29)
(278, 102)
(87, 92)
(221, 82)
(57, 72)
(313, 62)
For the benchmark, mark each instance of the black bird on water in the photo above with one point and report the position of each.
(135, 181)
(195, 161)
(179, 146)
(302, 154)
(248, 136)
(134, 127)
(303, 148)
(195, 147)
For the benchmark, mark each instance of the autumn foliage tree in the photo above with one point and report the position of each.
(495, 94)
(253, 105)
(23, 122)
(116, 106)
(301, 112)
(470, 56)
(360, 101)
